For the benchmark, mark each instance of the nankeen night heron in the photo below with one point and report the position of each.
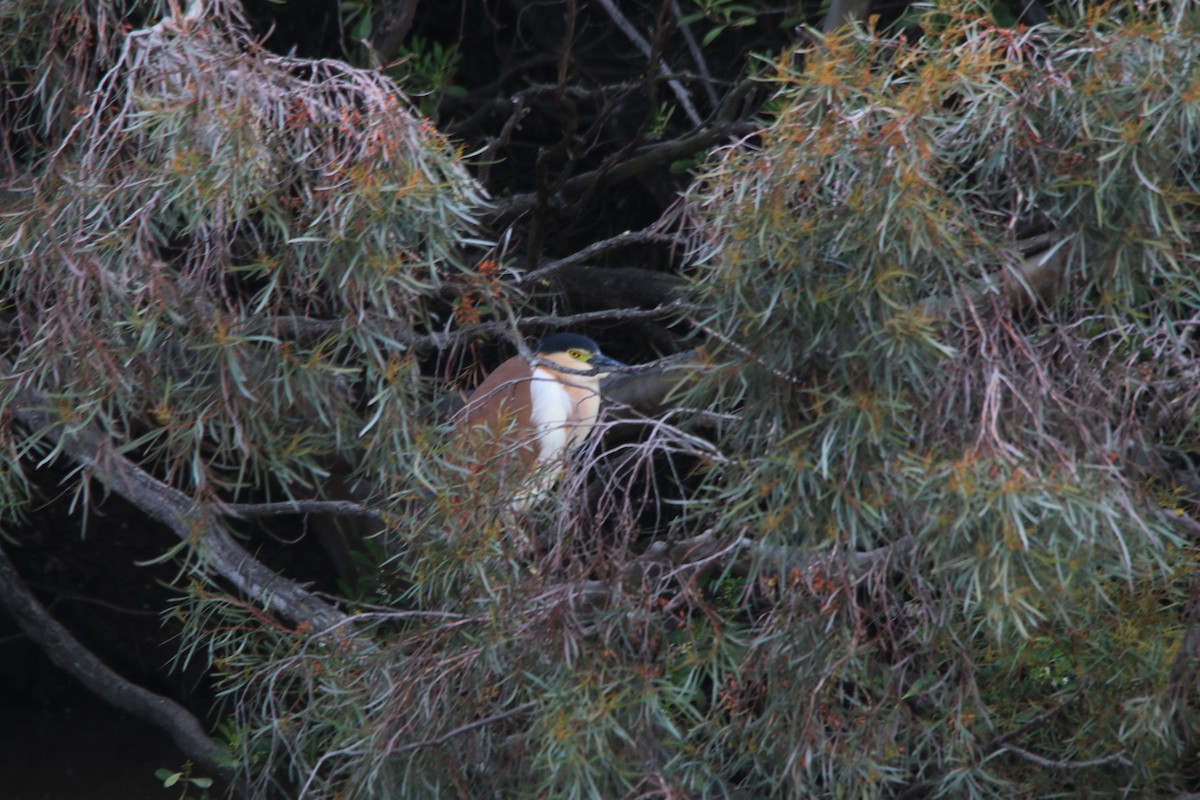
(528, 414)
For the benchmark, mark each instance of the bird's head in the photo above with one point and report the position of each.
(576, 354)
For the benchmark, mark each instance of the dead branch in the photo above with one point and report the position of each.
(628, 238)
(697, 55)
(424, 343)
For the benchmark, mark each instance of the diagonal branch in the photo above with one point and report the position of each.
(626, 27)
(82, 664)
(461, 729)
(189, 519)
(627, 238)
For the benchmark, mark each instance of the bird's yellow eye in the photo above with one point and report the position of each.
(579, 354)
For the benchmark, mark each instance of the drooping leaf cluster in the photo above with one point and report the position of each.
(954, 287)
(224, 259)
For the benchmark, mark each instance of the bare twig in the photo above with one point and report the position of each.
(425, 342)
(345, 508)
(626, 27)
(745, 351)
(998, 743)
(626, 239)
(470, 726)
(697, 55)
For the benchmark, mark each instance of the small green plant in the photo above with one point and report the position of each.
(184, 779)
(423, 68)
(426, 69)
(723, 15)
(662, 119)
(357, 18)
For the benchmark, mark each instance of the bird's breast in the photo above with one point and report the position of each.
(550, 412)
(563, 410)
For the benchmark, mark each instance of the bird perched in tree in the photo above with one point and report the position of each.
(528, 414)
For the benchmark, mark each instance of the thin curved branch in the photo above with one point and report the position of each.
(705, 551)
(424, 342)
(784, 558)
(470, 726)
(1118, 757)
(625, 239)
(749, 354)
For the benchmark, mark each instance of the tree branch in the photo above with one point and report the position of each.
(1118, 757)
(341, 508)
(624, 239)
(81, 663)
(697, 55)
(647, 158)
(631, 33)
(189, 519)
(470, 726)
(423, 342)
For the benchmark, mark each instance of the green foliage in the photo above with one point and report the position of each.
(357, 17)
(426, 71)
(662, 119)
(721, 15)
(208, 265)
(960, 577)
(919, 389)
(423, 68)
